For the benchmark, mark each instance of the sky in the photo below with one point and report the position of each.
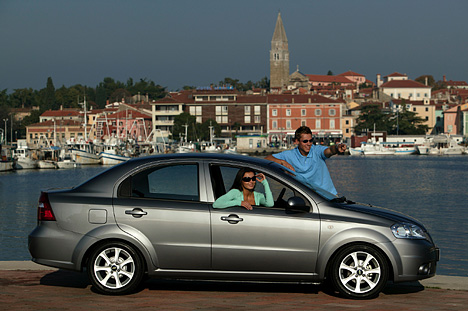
(199, 42)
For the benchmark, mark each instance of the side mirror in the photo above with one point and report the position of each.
(297, 204)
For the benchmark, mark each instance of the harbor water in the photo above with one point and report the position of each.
(432, 189)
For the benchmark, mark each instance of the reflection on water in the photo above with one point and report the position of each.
(431, 189)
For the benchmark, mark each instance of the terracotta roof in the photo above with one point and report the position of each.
(328, 79)
(300, 99)
(403, 84)
(60, 113)
(350, 73)
(456, 83)
(396, 74)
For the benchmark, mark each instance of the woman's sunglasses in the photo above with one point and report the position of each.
(247, 179)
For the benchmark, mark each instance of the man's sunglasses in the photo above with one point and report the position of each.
(247, 179)
(305, 141)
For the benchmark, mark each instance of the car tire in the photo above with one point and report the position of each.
(359, 272)
(115, 268)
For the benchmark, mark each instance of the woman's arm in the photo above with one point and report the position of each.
(267, 199)
(229, 199)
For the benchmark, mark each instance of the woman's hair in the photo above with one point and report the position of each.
(237, 184)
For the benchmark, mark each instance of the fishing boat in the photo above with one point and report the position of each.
(25, 158)
(114, 152)
(66, 161)
(7, 162)
(401, 148)
(84, 152)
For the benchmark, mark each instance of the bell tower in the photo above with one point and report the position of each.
(279, 56)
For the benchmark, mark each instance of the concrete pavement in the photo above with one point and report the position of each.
(27, 286)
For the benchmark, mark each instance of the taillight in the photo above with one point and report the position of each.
(44, 210)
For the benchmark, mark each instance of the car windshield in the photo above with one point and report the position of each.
(324, 193)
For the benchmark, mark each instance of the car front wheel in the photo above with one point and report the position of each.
(359, 272)
(115, 269)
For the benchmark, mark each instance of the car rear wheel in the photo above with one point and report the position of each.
(115, 269)
(359, 272)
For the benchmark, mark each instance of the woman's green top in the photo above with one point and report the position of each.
(235, 197)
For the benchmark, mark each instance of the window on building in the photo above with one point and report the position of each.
(288, 124)
(303, 123)
(427, 118)
(417, 94)
(414, 108)
(274, 124)
(303, 112)
(274, 112)
(247, 119)
(257, 110)
(246, 109)
(427, 109)
(257, 119)
(425, 94)
(318, 112)
(288, 112)
(332, 112)
(318, 124)
(347, 130)
(347, 122)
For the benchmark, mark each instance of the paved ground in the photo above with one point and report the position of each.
(65, 290)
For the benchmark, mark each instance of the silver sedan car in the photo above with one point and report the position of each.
(154, 216)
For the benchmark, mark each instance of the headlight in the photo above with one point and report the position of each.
(408, 231)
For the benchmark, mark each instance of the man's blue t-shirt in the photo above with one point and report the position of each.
(311, 169)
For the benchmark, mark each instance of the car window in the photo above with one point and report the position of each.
(175, 182)
(222, 178)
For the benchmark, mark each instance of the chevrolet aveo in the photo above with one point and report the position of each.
(153, 216)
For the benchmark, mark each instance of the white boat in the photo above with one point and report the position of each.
(372, 147)
(48, 157)
(113, 152)
(84, 152)
(401, 148)
(25, 159)
(7, 162)
(66, 161)
(186, 147)
(355, 151)
(445, 145)
(209, 147)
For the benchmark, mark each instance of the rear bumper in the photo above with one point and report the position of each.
(52, 246)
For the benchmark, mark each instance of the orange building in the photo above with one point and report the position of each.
(288, 112)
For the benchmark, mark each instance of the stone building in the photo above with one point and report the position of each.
(279, 57)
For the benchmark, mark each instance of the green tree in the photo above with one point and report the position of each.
(370, 115)
(330, 73)
(407, 123)
(180, 122)
(204, 129)
(49, 95)
(422, 80)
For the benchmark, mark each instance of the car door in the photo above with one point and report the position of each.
(163, 204)
(263, 239)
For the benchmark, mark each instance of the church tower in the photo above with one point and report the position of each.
(279, 56)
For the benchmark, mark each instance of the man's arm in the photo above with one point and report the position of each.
(281, 162)
(335, 149)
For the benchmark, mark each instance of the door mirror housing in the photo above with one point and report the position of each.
(297, 204)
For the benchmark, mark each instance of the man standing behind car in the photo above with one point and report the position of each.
(308, 161)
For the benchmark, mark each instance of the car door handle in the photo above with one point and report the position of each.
(136, 212)
(232, 219)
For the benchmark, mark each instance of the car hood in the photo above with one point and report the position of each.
(379, 212)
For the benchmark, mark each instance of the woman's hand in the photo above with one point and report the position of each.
(260, 177)
(247, 205)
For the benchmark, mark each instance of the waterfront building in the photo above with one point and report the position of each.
(166, 109)
(288, 112)
(398, 86)
(56, 132)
